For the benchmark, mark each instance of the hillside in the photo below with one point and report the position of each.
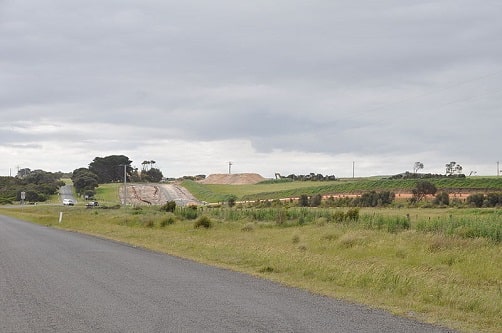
(215, 190)
(233, 179)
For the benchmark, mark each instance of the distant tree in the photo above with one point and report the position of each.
(23, 172)
(110, 168)
(84, 181)
(453, 168)
(153, 175)
(418, 166)
(37, 185)
(422, 189)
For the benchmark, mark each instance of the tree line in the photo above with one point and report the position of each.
(110, 169)
(37, 186)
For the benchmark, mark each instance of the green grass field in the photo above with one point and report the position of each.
(217, 193)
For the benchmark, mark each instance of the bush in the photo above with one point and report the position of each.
(168, 220)
(352, 214)
(338, 216)
(315, 201)
(169, 207)
(303, 201)
(203, 222)
(476, 200)
(442, 199)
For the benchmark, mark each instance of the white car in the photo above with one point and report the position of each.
(68, 202)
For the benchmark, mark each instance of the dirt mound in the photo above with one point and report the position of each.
(233, 179)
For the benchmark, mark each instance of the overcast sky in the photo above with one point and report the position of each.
(284, 86)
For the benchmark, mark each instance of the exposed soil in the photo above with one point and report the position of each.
(157, 194)
(233, 179)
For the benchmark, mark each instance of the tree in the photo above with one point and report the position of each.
(453, 168)
(418, 166)
(153, 175)
(85, 181)
(422, 189)
(110, 168)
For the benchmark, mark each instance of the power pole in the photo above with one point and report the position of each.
(353, 169)
(498, 168)
(125, 183)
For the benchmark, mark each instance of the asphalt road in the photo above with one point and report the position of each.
(66, 192)
(57, 281)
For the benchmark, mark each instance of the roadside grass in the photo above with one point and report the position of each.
(107, 194)
(452, 279)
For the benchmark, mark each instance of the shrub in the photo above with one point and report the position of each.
(442, 199)
(373, 199)
(338, 216)
(168, 220)
(203, 222)
(315, 201)
(352, 214)
(169, 207)
(476, 200)
(303, 201)
(231, 199)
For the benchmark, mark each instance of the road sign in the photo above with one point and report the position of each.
(23, 195)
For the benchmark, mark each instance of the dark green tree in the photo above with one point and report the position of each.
(153, 175)
(111, 168)
(422, 189)
(85, 181)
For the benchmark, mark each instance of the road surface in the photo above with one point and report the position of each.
(66, 192)
(57, 281)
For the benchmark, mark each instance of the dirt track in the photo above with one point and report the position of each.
(157, 194)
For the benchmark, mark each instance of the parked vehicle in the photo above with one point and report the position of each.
(91, 204)
(68, 202)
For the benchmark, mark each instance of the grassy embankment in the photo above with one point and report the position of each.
(216, 193)
(437, 266)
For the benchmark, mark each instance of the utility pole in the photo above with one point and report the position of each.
(125, 183)
(353, 169)
(498, 168)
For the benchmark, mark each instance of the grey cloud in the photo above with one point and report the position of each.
(322, 76)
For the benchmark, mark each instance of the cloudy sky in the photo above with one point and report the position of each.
(284, 86)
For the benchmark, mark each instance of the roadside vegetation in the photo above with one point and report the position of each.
(434, 265)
